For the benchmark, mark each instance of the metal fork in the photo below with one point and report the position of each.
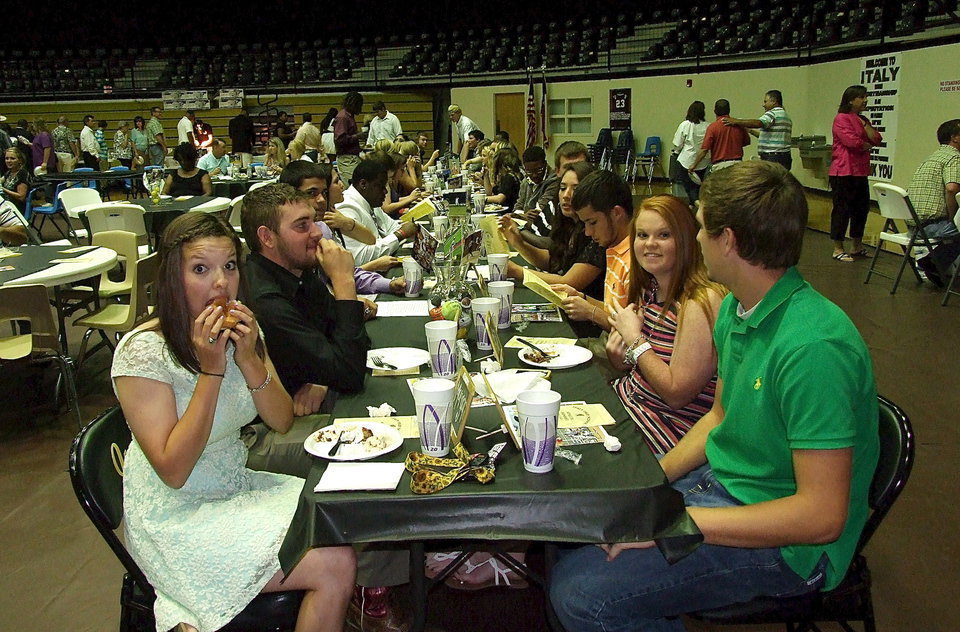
(377, 360)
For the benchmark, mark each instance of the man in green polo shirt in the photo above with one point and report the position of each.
(776, 475)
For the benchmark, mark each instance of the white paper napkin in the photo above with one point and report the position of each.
(360, 477)
(509, 383)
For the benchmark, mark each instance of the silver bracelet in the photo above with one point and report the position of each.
(266, 383)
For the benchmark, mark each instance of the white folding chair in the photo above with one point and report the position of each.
(236, 208)
(255, 186)
(79, 196)
(128, 217)
(216, 205)
(895, 205)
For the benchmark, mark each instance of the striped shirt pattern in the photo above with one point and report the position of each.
(616, 282)
(776, 131)
(662, 426)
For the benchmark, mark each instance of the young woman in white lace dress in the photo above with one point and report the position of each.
(204, 529)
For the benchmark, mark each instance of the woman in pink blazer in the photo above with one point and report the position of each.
(853, 138)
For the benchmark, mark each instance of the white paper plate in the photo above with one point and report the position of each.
(400, 357)
(494, 208)
(567, 356)
(353, 452)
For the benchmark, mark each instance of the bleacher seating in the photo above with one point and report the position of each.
(705, 29)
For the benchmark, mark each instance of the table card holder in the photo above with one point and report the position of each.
(495, 341)
(463, 393)
(425, 249)
(481, 282)
(511, 429)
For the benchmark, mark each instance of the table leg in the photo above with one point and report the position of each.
(418, 586)
(61, 320)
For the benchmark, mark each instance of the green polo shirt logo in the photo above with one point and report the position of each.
(758, 384)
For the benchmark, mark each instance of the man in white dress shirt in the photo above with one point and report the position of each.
(89, 147)
(384, 125)
(361, 202)
(461, 127)
(185, 128)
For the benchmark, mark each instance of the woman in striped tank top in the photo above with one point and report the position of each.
(664, 337)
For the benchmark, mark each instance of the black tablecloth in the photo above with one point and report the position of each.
(617, 497)
(234, 187)
(75, 176)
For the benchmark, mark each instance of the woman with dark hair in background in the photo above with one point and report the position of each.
(326, 134)
(139, 138)
(187, 179)
(686, 146)
(205, 530)
(572, 258)
(853, 138)
(502, 179)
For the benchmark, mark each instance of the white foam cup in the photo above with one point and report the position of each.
(413, 275)
(503, 290)
(442, 345)
(484, 308)
(434, 402)
(538, 412)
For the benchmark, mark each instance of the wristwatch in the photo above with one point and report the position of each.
(635, 350)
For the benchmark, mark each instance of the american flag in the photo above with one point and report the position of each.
(543, 112)
(531, 116)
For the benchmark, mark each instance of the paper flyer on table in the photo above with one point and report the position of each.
(538, 285)
(360, 477)
(406, 425)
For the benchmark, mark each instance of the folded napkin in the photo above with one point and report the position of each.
(360, 477)
(509, 383)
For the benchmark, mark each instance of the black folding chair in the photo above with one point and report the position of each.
(96, 470)
(851, 600)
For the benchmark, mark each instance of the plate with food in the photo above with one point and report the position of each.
(494, 208)
(397, 358)
(353, 441)
(555, 356)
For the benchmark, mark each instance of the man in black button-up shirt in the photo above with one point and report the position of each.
(316, 338)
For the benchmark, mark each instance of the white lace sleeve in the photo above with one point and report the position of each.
(142, 354)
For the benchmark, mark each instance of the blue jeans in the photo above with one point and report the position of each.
(639, 590)
(156, 155)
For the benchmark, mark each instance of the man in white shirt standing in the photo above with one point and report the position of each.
(215, 162)
(461, 127)
(361, 203)
(185, 128)
(384, 126)
(89, 147)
